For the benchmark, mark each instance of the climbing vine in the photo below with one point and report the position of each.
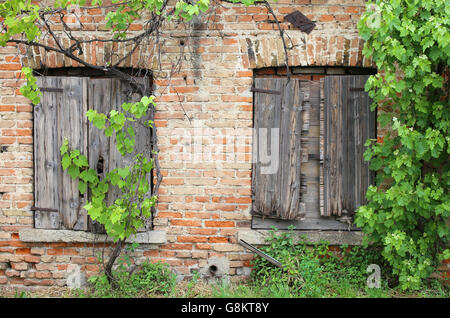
(409, 207)
(127, 214)
(28, 24)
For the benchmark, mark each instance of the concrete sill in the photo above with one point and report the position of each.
(257, 237)
(67, 236)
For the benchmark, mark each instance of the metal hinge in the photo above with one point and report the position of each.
(265, 91)
(35, 208)
(51, 89)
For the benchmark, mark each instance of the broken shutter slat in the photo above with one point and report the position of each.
(347, 124)
(276, 143)
(100, 147)
(46, 160)
(143, 140)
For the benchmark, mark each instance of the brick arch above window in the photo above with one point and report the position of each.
(94, 53)
(316, 49)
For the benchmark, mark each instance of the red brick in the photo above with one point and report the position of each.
(43, 275)
(150, 253)
(169, 215)
(201, 246)
(17, 132)
(32, 259)
(184, 89)
(352, 9)
(23, 251)
(68, 251)
(11, 67)
(218, 239)
(192, 239)
(326, 18)
(177, 246)
(202, 231)
(55, 251)
(244, 74)
(7, 108)
(219, 224)
(185, 223)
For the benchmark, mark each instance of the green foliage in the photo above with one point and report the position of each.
(408, 208)
(19, 18)
(149, 280)
(30, 90)
(312, 269)
(127, 213)
(21, 294)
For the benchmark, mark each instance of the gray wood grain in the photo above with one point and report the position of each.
(59, 116)
(277, 193)
(46, 159)
(348, 123)
(70, 125)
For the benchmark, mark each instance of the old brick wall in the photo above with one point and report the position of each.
(204, 120)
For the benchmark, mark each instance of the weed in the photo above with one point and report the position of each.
(150, 279)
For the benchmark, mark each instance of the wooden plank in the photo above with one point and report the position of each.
(349, 117)
(333, 149)
(70, 125)
(266, 117)
(46, 160)
(346, 175)
(290, 132)
(82, 223)
(99, 144)
(124, 93)
(277, 193)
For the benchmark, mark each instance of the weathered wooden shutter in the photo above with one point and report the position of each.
(347, 124)
(276, 185)
(103, 153)
(59, 115)
(62, 114)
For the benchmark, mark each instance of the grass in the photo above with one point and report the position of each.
(222, 289)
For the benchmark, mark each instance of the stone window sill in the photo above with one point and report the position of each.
(257, 237)
(67, 236)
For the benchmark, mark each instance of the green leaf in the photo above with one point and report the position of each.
(99, 121)
(65, 147)
(82, 187)
(123, 172)
(66, 161)
(74, 171)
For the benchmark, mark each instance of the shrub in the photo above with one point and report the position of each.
(408, 209)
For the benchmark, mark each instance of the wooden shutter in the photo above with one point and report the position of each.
(103, 153)
(277, 113)
(59, 115)
(62, 114)
(347, 124)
